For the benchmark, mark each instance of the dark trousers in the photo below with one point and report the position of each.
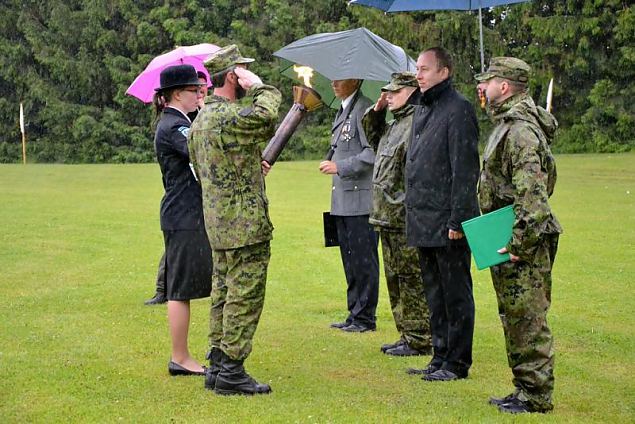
(358, 247)
(448, 287)
(161, 275)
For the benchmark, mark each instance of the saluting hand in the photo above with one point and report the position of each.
(382, 102)
(246, 78)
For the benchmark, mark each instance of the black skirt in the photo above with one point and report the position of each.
(188, 264)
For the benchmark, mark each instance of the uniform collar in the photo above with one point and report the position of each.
(348, 100)
(179, 111)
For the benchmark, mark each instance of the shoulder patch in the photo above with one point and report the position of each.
(184, 130)
(245, 112)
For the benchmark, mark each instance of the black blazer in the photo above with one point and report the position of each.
(181, 206)
(442, 166)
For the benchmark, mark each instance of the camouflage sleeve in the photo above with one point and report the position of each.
(374, 124)
(255, 122)
(191, 147)
(529, 179)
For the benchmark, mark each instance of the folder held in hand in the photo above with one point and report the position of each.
(487, 233)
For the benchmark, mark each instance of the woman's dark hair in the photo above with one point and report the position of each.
(201, 75)
(160, 100)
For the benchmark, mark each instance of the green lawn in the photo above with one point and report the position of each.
(79, 247)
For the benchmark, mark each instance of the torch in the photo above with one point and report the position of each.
(305, 99)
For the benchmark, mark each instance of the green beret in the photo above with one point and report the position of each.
(225, 58)
(508, 68)
(399, 80)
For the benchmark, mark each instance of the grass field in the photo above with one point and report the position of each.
(79, 247)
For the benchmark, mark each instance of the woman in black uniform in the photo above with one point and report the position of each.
(188, 257)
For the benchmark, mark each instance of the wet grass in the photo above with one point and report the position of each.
(78, 253)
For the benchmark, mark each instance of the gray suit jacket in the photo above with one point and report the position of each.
(352, 185)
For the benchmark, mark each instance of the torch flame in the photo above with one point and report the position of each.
(305, 73)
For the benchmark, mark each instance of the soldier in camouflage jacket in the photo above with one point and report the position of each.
(519, 170)
(225, 144)
(388, 215)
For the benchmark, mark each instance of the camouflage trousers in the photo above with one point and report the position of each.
(405, 289)
(238, 295)
(523, 290)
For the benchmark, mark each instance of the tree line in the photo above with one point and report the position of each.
(70, 63)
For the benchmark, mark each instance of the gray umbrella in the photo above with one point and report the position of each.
(356, 53)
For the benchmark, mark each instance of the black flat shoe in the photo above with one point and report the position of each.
(176, 369)
(158, 299)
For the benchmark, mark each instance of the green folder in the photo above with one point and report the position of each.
(487, 233)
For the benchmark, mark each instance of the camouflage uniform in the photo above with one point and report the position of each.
(388, 215)
(225, 145)
(519, 170)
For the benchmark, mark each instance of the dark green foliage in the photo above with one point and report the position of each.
(71, 61)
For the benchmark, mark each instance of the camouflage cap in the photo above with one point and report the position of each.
(399, 80)
(506, 67)
(225, 58)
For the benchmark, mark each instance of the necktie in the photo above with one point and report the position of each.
(339, 113)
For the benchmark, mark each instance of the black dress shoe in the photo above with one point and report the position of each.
(443, 375)
(176, 369)
(356, 328)
(388, 346)
(499, 401)
(158, 299)
(406, 350)
(516, 406)
(429, 369)
(340, 324)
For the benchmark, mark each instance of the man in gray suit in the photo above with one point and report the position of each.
(350, 161)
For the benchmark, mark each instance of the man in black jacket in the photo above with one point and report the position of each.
(442, 170)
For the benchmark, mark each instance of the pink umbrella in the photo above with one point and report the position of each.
(143, 87)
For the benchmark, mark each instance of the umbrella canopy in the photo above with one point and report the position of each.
(356, 53)
(391, 6)
(143, 87)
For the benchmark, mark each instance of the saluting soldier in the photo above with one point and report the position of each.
(388, 215)
(519, 170)
(225, 146)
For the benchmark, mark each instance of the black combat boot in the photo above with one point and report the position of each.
(234, 380)
(211, 373)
